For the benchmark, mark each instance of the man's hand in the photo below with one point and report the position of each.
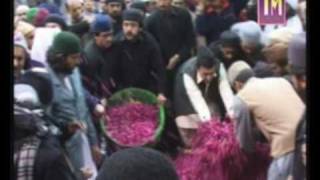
(99, 110)
(74, 126)
(104, 102)
(173, 62)
(96, 154)
(86, 173)
(161, 99)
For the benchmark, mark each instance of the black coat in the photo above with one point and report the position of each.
(215, 47)
(141, 64)
(173, 31)
(51, 163)
(99, 67)
(182, 103)
(81, 29)
(212, 25)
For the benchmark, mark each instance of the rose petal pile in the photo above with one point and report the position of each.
(216, 154)
(132, 124)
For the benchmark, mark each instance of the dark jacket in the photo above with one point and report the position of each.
(182, 103)
(216, 48)
(117, 25)
(49, 162)
(173, 31)
(68, 106)
(99, 68)
(299, 168)
(212, 25)
(81, 29)
(141, 63)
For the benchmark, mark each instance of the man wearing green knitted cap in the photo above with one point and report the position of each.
(69, 110)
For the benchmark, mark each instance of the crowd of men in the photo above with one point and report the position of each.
(202, 58)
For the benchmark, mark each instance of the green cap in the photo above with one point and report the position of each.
(66, 43)
(31, 14)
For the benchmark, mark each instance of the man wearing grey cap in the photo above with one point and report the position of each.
(276, 110)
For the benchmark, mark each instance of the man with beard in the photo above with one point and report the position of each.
(101, 55)
(114, 9)
(68, 109)
(227, 48)
(173, 30)
(141, 63)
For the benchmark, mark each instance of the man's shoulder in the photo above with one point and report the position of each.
(189, 66)
(181, 11)
(149, 39)
(91, 50)
(89, 46)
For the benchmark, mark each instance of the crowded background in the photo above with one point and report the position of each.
(158, 89)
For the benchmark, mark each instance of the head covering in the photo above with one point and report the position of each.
(69, 2)
(249, 32)
(31, 14)
(263, 69)
(25, 28)
(281, 35)
(52, 9)
(40, 17)
(66, 43)
(43, 38)
(22, 9)
(229, 38)
(139, 5)
(40, 81)
(297, 53)
(133, 15)
(102, 23)
(112, 1)
(293, 3)
(235, 70)
(137, 164)
(55, 18)
(26, 94)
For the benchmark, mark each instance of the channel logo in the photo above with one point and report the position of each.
(271, 12)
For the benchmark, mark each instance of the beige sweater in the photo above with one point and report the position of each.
(277, 110)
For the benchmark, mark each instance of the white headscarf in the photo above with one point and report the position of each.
(249, 32)
(24, 93)
(293, 3)
(22, 9)
(42, 41)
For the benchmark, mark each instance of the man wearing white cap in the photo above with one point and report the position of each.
(276, 110)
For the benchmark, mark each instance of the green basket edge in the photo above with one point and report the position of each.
(162, 119)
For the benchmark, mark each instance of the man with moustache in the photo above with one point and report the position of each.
(68, 109)
(141, 63)
(114, 9)
(101, 55)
